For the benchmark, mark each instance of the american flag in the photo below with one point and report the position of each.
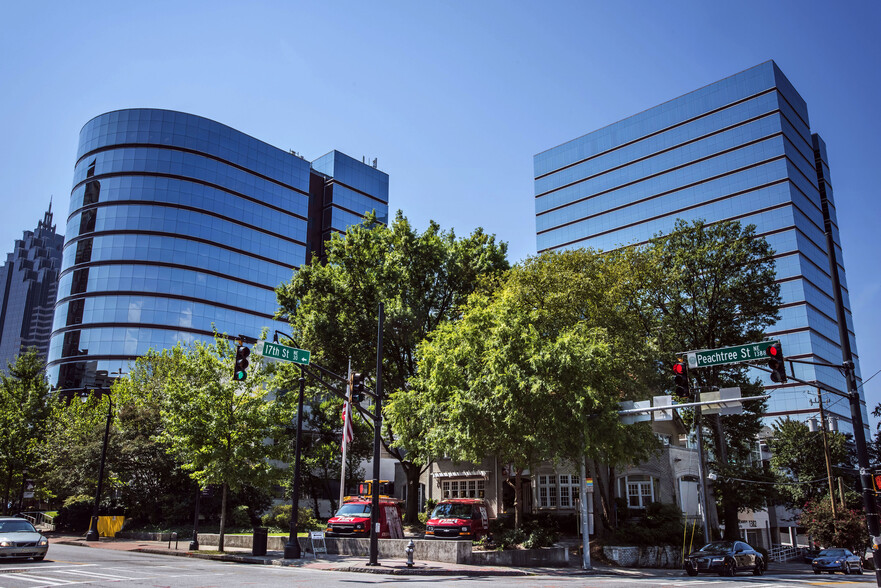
(348, 432)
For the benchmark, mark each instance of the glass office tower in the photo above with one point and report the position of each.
(178, 226)
(28, 286)
(742, 149)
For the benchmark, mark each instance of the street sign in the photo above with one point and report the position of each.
(722, 408)
(282, 352)
(740, 353)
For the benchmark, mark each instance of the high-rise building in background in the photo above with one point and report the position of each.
(28, 282)
(738, 149)
(180, 225)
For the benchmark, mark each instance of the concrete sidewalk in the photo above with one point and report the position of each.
(347, 563)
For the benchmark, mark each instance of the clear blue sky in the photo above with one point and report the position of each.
(453, 98)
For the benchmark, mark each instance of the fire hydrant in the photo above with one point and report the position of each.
(411, 547)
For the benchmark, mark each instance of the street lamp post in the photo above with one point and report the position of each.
(92, 534)
(292, 548)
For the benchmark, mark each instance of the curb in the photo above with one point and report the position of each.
(429, 572)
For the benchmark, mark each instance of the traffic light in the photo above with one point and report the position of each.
(242, 354)
(778, 368)
(876, 481)
(680, 381)
(357, 388)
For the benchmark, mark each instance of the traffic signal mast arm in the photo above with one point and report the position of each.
(341, 395)
(724, 402)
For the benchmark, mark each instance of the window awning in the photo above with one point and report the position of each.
(470, 474)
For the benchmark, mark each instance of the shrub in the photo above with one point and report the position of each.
(662, 524)
(280, 518)
(423, 517)
(540, 538)
(239, 518)
(76, 514)
(509, 538)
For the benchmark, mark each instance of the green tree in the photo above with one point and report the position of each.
(24, 412)
(703, 287)
(535, 370)
(798, 458)
(847, 529)
(218, 428)
(421, 277)
(69, 456)
(322, 449)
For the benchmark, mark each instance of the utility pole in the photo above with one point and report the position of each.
(853, 395)
(826, 452)
(377, 439)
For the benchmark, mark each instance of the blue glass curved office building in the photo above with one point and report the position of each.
(180, 225)
(742, 149)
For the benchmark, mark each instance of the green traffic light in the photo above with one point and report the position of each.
(240, 375)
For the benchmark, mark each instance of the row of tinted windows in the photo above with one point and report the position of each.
(172, 281)
(164, 127)
(346, 198)
(717, 95)
(638, 207)
(157, 310)
(190, 225)
(669, 140)
(182, 251)
(590, 233)
(185, 193)
(641, 186)
(189, 165)
(354, 173)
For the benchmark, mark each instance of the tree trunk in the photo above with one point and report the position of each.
(7, 489)
(222, 519)
(412, 472)
(730, 507)
(604, 498)
(518, 497)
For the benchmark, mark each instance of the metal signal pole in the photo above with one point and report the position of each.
(377, 432)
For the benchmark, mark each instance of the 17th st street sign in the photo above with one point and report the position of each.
(282, 352)
(740, 353)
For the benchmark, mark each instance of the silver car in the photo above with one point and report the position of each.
(19, 538)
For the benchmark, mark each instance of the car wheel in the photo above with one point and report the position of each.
(846, 569)
(39, 558)
(732, 568)
(690, 569)
(760, 567)
(817, 572)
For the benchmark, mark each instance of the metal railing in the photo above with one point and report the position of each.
(785, 552)
(40, 520)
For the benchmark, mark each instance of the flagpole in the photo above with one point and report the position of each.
(346, 425)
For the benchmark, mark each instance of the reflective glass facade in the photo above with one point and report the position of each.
(742, 149)
(180, 225)
(28, 287)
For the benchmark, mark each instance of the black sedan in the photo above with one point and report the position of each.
(725, 558)
(837, 560)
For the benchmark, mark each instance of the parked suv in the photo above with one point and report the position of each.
(458, 518)
(353, 518)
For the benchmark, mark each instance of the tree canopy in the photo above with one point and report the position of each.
(422, 278)
(706, 286)
(534, 370)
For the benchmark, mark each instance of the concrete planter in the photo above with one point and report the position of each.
(543, 557)
(139, 536)
(426, 550)
(644, 557)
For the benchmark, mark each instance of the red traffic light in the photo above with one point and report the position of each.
(773, 351)
(876, 480)
(678, 368)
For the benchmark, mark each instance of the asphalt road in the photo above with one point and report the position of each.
(77, 566)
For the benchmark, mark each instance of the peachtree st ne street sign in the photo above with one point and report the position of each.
(709, 357)
(282, 352)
